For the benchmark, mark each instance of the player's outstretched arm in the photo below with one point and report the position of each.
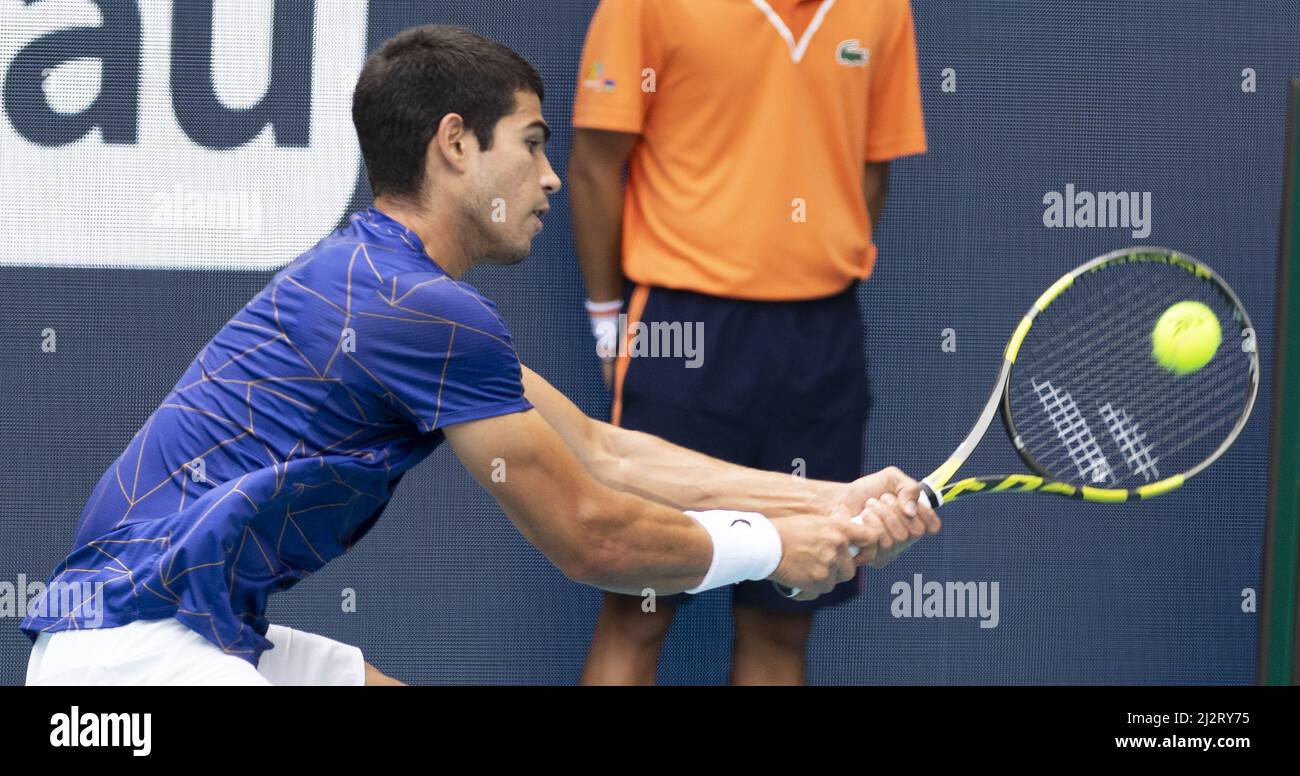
(619, 542)
(633, 462)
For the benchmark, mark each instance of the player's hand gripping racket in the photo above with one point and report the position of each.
(1129, 376)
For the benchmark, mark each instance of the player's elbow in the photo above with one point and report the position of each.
(598, 554)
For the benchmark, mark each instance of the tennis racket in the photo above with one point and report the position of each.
(1085, 403)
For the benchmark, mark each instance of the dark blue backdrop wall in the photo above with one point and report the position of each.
(1180, 99)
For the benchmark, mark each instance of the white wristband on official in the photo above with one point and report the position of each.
(604, 326)
(745, 546)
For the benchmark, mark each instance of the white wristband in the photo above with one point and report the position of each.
(596, 308)
(745, 546)
(604, 326)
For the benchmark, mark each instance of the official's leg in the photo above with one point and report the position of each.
(769, 646)
(626, 643)
(817, 382)
(689, 406)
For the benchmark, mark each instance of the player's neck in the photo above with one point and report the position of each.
(436, 231)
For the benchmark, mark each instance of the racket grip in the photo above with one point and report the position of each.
(930, 497)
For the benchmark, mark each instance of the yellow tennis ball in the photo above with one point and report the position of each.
(1186, 337)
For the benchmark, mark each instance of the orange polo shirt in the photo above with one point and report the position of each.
(755, 118)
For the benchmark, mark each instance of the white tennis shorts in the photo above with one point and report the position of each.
(165, 652)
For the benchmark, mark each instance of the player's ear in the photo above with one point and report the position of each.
(450, 145)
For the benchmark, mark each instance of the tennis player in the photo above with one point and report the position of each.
(283, 441)
(757, 168)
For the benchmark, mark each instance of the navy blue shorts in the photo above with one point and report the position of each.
(780, 386)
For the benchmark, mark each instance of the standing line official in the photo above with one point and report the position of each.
(757, 137)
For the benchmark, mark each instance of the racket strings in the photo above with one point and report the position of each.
(1141, 431)
(1218, 409)
(1225, 392)
(1088, 399)
(1148, 458)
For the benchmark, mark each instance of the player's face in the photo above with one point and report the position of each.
(513, 182)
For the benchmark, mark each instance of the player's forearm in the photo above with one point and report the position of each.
(634, 544)
(596, 201)
(592, 533)
(650, 467)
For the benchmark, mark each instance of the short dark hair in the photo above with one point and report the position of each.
(415, 79)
